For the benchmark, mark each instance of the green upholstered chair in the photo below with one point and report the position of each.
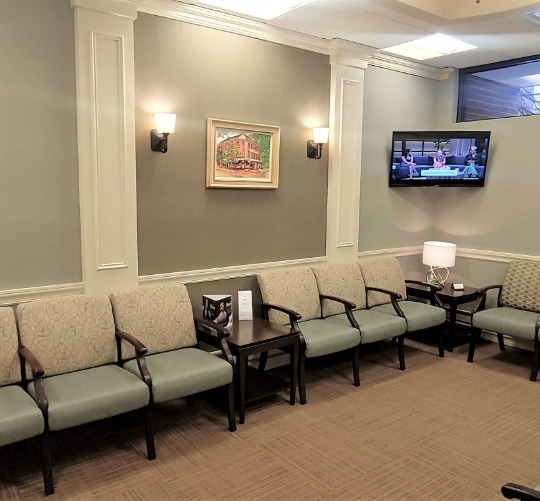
(160, 317)
(20, 416)
(345, 280)
(386, 273)
(291, 295)
(517, 312)
(520, 492)
(73, 338)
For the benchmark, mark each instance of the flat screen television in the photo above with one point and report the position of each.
(439, 158)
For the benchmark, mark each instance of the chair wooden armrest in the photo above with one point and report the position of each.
(394, 297)
(521, 492)
(140, 351)
(209, 328)
(430, 293)
(392, 294)
(214, 335)
(35, 364)
(37, 373)
(349, 307)
(482, 296)
(294, 317)
(345, 302)
(140, 348)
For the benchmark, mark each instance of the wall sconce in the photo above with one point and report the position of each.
(165, 123)
(314, 146)
(438, 256)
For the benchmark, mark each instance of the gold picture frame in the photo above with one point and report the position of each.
(242, 155)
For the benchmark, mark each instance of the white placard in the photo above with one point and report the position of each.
(245, 305)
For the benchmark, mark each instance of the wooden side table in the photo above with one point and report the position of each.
(450, 299)
(250, 337)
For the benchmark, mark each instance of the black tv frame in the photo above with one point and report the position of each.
(482, 139)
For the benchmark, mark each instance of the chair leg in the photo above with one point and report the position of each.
(301, 375)
(46, 463)
(231, 408)
(149, 432)
(500, 339)
(472, 344)
(441, 341)
(356, 366)
(401, 352)
(536, 360)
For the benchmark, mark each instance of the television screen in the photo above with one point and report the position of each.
(439, 158)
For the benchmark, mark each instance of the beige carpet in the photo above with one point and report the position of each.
(442, 430)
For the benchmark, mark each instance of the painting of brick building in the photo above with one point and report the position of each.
(243, 155)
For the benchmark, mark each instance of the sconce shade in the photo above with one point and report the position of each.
(320, 135)
(314, 146)
(165, 122)
(439, 254)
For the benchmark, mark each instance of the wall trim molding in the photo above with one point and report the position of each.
(482, 255)
(14, 296)
(230, 23)
(213, 274)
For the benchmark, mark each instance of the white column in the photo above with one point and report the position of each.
(349, 61)
(106, 134)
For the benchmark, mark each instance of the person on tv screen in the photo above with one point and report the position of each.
(471, 161)
(407, 160)
(439, 160)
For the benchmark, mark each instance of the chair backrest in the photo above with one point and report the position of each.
(521, 286)
(295, 288)
(10, 370)
(68, 333)
(343, 280)
(160, 316)
(384, 272)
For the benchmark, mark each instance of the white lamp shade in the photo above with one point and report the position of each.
(439, 254)
(165, 122)
(320, 135)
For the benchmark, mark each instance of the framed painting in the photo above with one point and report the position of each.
(242, 155)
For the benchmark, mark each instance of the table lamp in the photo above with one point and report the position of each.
(438, 256)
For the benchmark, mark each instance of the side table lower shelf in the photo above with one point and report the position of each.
(261, 384)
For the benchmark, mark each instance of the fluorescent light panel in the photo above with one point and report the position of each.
(263, 9)
(429, 47)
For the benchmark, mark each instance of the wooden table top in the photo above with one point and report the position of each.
(246, 333)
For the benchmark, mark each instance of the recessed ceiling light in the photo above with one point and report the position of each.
(263, 9)
(429, 47)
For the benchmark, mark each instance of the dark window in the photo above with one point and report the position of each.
(500, 90)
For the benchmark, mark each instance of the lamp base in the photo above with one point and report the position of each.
(314, 150)
(435, 278)
(158, 141)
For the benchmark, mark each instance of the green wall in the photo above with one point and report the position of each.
(39, 193)
(199, 73)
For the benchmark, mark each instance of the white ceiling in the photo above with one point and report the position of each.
(497, 27)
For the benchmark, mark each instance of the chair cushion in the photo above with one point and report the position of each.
(330, 335)
(68, 333)
(92, 394)
(418, 316)
(521, 286)
(10, 371)
(376, 326)
(343, 280)
(295, 288)
(160, 316)
(509, 321)
(20, 417)
(184, 372)
(383, 272)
